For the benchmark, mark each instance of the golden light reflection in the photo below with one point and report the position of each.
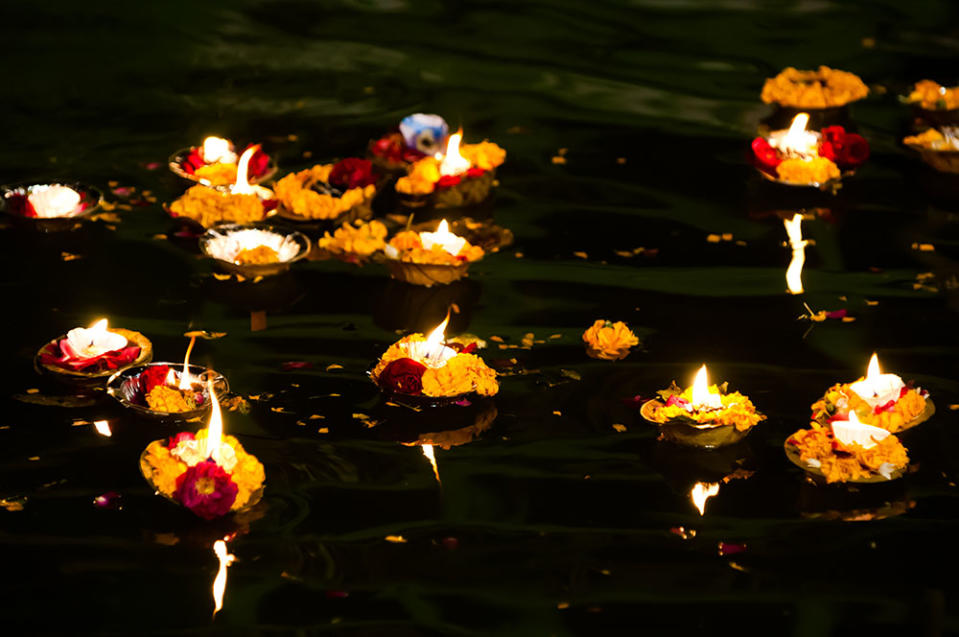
(701, 492)
(242, 185)
(702, 397)
(219, 583)
(185, 379)
(98, 328)
(453, 162)
(431, 456)
(103, 427)
(216, 149)
(214, 435)
(798, 245)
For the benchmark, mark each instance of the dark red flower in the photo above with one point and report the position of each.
(847, 150)
(20, 205)
(766, 156)
(837, 314)
(403, 376)
(62, 355)
(352, 172)
(206, 489)
(153, 376)
(448, 181)
(475, 172)
(178, 438)
(392, 148)
(192, 161)
(462, 349)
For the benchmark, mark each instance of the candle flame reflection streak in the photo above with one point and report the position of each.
(103, 428)
(219, 583)
(453, 162)
(431, 456)
(702, 397)
(214, 433)
(798, 245)
(701, 492)
(242, 185)
(185, 379)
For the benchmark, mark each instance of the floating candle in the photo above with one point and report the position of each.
(703, 398)
(53, 201)
(452, 162)
(218, 150)
(796, 141)
(443, 238)
(432, 352)
(94, 341)
(878, 388)
(851, 431)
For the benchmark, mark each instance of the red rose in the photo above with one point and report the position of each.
(258, 162)
(403, 376)
(352, 172)
(192, 161)
(448, 181)
(848, 150)
(152, 376)
(392, 148)
(767, 156)
(475, 172)
(206, 489)
(856, 150)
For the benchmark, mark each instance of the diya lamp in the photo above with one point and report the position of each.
(167, 391)
(418, 135)
(800, 157)
(430, 258)
(461, 175)
(209, 473)
(90, 355)
(878, 399)
(847, 450)
(938, 147)
(340, 192)
(253, 250)
(216, 163)
(430, 370)
(49, 206)
(241, 203)
(702, 415)
(934, 103)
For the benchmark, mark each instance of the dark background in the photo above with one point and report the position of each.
(547, 524)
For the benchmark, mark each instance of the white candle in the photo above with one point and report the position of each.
(854, 432)
(878, 388)
(443, 238)
(95, 340)
(53, 201)
(218, 150)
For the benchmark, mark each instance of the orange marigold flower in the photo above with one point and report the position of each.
(357, 238)
(822, 88)
(609, 341)
(296, 195)
(169, 399)
(257, 256)
(217, 174)
(932, 96)
(737, 410)
(817, 170)
(410, 249)
(209, 207)
(840, 399)
(854, 462)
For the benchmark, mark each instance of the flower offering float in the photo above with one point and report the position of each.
(430, 258)
(462, 175)
(819, 89)
(255, 250)
(91, 354)
(49, 206)
(340, 192)
(609, 341)
(163, 392)
(432, 370)
(208, 473)
(703, 415)
(846, 450)
(938, 147)
(934, 104)
(215, 163)
(800, 157)
(419, 135)
(240, 203)
(880, 400)
(354, 242)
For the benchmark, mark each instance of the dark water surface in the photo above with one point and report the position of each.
(551, 522)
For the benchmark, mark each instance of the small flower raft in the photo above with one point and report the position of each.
(822, 88)
(703, 415)
(847, 451)
(254, 250)
(430, 258)
(215, 163)
(931, 96)
(210, 484)
(49, 201)
(424, 367)
(95, 352)
(938, 147)
(609, 341)
(800, 157)
(342, 191)
(159, 390)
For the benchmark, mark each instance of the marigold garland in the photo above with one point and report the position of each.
(842, 463)
(822, 88)
(209, 207)
(609, 341)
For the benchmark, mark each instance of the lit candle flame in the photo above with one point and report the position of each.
(99, 327)
(242, 186)
(186, 381)
(798, 245)
(103, 428)
(214, 430)
(797, 141)
(434, 345)
(701, 492)
(702, 397)
(170, 379)
(873, 372)
(443, 238)
(216, 149)
(878, 388)
(453, 162)
(219, 583)
(431, 456)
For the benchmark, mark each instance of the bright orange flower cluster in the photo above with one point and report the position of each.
(358, 238)
(821, 88)
(609, 341)
(218, 174)
(841, 463)
(209, 207)
(411, 250)
(462, 374)
(169, 400)
(737, 410)
(295, 193)
(932, 96)
(424, 175)
(260, 255)
(840, 399)
(817, 170)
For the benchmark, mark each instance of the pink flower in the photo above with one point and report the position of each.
(206, 489)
